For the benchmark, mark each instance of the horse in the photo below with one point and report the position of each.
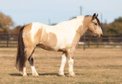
(62, 37)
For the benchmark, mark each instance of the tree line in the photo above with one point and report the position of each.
(6, 22)
(113, 28)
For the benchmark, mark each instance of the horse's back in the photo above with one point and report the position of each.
(63, 33)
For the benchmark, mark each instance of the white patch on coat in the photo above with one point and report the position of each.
(64, 31)
(67, 32)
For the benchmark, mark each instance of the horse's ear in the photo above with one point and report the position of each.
(94, 16)
(97, 15)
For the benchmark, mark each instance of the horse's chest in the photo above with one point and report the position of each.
(64, 39)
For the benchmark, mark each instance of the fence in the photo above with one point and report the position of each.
(107, 41)
(10, 40)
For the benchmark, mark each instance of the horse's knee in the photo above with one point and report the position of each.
(71, 61)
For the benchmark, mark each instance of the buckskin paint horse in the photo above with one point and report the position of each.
(62, 37)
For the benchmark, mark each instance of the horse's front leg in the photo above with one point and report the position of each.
(71, 63)
(63, 62)
(71, 66)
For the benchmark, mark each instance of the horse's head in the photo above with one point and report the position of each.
(93, 24)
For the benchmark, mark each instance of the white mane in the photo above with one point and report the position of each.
(68, 23)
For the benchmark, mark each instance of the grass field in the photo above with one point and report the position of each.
(92, 66)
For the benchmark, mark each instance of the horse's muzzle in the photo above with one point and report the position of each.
(100, 35)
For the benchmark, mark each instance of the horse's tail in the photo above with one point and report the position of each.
(21, 58)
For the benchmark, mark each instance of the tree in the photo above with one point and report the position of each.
(15, 30)
(114, 28)
(5, 22)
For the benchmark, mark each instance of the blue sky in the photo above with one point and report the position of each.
(25, 11)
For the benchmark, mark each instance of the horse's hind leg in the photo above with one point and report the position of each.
(24, 71)
(31, 61)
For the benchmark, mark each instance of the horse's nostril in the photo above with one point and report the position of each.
(101, 35)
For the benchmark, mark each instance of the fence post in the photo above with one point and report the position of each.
(7, 40)
(97, 43)
(84, 38)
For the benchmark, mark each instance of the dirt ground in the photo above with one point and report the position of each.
(92, 66)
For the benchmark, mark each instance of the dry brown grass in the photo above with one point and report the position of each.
(92, 66)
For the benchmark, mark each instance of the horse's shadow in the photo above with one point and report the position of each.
(48, 74)
(15, 74)
(30, 74)
(43, 74)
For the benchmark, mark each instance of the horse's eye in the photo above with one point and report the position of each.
(95, 23)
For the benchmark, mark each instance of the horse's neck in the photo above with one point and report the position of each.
(73, 26)
(79, 32)
(78, 28)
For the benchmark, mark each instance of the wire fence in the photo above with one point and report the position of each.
(87, 41)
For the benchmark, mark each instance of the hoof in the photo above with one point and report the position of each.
(35, 74)
(71, 75)
(61, 75)
(24, 75)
